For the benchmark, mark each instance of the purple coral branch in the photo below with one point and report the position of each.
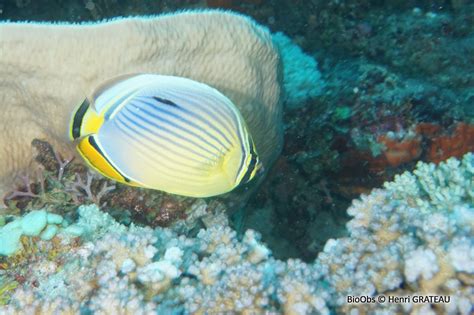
(85, 186)
(62, 164)
(79, 185)
(103, 191)
(40, 178)
(19, 193)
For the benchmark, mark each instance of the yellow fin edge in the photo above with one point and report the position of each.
(97, 161)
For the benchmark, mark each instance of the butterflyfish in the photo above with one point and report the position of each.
(167, 133)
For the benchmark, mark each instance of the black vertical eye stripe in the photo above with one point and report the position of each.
(78, 118)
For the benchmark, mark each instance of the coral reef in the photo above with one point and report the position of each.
(363, 129)
(397, 89)
(387, 66)
(426, 141)
(119, 269)
(397, 152)
(412, 238)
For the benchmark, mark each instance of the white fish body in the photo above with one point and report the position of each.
(168, 133)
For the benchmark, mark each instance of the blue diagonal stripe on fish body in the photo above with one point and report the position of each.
(225, 117)
(183, 119)
(209, 113)
(148, 154)
(206, 119)
(163, 128)
(163, 161)
(169, 121)
(161, 148)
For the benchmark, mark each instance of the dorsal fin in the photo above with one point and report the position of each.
(105, 85)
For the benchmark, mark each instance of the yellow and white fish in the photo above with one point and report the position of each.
(167, 133)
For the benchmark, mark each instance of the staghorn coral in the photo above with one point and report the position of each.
(58, 184)
(442, 188)
(85, 187)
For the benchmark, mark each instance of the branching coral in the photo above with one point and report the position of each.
(18, 193)
(80, 187)
(413, 238)
(141, 270)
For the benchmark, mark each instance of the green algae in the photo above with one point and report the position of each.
(6, 288)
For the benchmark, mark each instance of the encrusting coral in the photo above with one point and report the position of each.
(412, 238)
(456, 144)
(302, 79)
(36, 223)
